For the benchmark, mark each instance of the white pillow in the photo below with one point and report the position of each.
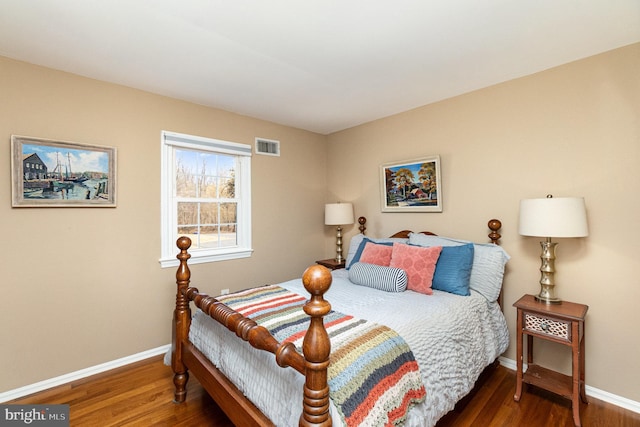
(388, 279)
(487, 271)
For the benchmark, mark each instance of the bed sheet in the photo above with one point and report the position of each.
(453, 338)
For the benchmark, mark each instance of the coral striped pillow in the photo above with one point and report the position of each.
(419, 263)
(378, 277)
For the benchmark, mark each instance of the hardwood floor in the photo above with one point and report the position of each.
(141, 395)
(493, 406)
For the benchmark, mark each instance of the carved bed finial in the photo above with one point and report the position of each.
(494, 226)
(362, 220)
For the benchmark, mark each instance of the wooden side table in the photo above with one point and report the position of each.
(331, 263)
(561, 323)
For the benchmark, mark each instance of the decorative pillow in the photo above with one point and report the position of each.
(378, 277)
(357, 243)
(377, 253)
(489, 260)
(453, 269)
(418, 262)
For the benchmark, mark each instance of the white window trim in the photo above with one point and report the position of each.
(168, 222)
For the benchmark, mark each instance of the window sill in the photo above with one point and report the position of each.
(205, 258)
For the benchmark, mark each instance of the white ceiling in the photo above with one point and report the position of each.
(320, 65)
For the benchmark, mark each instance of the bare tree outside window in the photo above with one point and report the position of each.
(207, 207)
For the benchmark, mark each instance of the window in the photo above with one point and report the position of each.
(206, 196)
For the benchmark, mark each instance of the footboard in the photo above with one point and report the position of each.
(313, 363)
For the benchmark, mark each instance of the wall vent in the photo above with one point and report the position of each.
(268, 147)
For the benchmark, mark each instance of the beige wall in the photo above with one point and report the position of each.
(569, 131)
(70, 275)
(73, 279)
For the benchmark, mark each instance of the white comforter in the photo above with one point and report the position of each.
(452, 337)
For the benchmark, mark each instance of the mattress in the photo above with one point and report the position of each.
(453, 338)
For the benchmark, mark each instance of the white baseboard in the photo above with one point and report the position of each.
(83, 373)
(508, 363)
(596, 393)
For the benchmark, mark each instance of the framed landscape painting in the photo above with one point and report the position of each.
(47, 173)
(411, 185)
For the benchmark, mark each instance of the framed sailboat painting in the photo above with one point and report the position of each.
(48, 173)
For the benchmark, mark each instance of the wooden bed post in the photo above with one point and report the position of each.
(495, 225)
(316, 348)
(181, 322)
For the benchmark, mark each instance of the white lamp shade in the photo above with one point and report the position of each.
(338, 214)
(553, 217)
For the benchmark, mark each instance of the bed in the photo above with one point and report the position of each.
(448, 335)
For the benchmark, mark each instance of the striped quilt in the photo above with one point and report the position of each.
(373, 377)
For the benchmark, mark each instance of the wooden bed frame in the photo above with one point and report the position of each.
(312, 364)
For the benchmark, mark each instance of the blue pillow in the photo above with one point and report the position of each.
(363, 243)
(453, 269)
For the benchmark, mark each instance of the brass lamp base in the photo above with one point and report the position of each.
(544, 298)
(339, 257)
(547, 269)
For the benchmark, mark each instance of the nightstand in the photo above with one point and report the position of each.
(331, 263)
(560, 323)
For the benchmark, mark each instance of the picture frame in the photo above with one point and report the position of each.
(411, 185)
(50, 173)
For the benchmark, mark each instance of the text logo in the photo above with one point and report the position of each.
(34, 415)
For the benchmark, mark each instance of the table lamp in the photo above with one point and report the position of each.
(552, 217)
(338, 214)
